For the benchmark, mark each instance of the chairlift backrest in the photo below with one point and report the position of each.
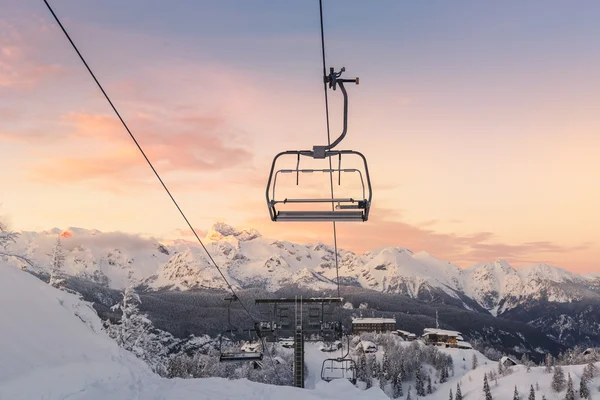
(342, 208)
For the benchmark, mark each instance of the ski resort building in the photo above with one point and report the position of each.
(373, 325)
(444, 338)
(409, 337)
(508, 361)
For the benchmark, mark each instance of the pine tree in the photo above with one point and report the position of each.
(444, 375)
(500, 367)
(408, 393)
(590, 371)
(375, 367)
(420, 388)
(361, 372)
(398, 390)
(429, 388)
(549, 362)
(136, 333)
(475, 363)
(584, 392)
(451, 398)
(570, 391)
(56, 266)
(531, 393)
(558, 379)
(458, 393)
(486, 388)
(516, 395)
(385, 364)
(382, 382)
(537, 386)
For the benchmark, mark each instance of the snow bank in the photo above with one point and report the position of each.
(52, 347)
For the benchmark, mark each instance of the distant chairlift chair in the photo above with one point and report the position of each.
(339, 368)
(232, 353)
(346, 209)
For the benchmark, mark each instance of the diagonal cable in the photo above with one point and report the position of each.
(147, 159)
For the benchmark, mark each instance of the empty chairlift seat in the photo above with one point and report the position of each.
(302, 209)
(352, 209)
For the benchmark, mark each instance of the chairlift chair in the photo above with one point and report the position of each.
(233, 353)
(344, 208)
(339, 368)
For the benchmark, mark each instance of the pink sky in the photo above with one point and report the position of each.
(501, 168)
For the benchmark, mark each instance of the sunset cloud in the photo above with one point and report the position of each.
(18, 66)
(193, 143)
(386, 228)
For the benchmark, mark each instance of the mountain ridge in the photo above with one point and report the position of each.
(250, 260)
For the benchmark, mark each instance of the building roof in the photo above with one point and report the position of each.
(405, 333)
(373, 321)
(441, 332)
(464, 345)
(504, 359)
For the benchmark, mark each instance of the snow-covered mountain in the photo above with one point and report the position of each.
(250, 260)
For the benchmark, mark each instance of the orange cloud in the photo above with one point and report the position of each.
(385, 228)
(18, 67)
(192, 143)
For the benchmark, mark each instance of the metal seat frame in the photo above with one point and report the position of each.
(232, 356)
(344, 363)
(346, 209)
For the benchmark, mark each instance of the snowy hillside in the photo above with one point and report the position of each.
(471, 383)
(52, 347)
(251, 260)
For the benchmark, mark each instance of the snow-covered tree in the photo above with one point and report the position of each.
(549, 362)
(420, 387)
(398, 390)
(408, 397)
(531, 393)
(475, 363)
(57, 265)
(361, 369)
(590, 371)
(429, 388)
(458, 393)
(8, 237)
(584, 392)
(516, 394)
(558, 379)
(570, 390)
(444, 375)
(500, 368)
(486, 388)
(382, 382)
(136, 333)
(451, 397)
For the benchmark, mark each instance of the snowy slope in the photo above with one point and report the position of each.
(52, 347)
(472, 383)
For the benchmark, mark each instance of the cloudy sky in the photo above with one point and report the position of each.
(479, 119)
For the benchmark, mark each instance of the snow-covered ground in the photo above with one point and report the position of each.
(471, 381)
(52, 347)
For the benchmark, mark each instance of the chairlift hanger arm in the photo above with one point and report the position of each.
(334, 80)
